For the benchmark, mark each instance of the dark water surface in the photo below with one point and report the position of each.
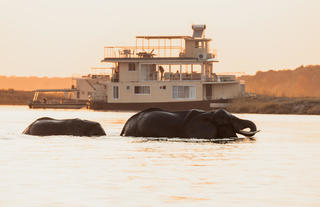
(280, 168)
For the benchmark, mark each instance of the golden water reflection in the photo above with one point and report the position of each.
(280, 168)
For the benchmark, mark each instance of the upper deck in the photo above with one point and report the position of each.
(165, 49)
(163, 58)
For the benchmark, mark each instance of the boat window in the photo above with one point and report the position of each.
(200, 44)
(115, 92)
(197, 44)
(132, 66)
(184, 92)
(142, 90)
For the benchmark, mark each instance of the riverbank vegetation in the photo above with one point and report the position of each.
(303, 81)
(13, 97)
(275, 105)
(281, 92)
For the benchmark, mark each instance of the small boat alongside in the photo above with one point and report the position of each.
(56, 99)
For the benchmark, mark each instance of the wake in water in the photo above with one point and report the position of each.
(194, 140)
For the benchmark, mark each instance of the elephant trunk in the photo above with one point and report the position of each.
(243, 124)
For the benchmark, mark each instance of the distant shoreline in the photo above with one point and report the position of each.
(14, 97)
(255, 104)
(275, 105)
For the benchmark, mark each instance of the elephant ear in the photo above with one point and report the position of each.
(198, 124)
(200, 128)
(190, 115)
(221, 117)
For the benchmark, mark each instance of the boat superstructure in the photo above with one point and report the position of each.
(174, 72)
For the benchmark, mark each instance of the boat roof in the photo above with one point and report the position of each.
(56, 90)
(155, 60)
(164, 37)
(171, 37)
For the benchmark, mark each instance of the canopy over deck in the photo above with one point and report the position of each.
(161, 60)
(163, 37)
(180, 47)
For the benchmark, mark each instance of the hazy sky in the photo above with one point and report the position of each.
(66, 37)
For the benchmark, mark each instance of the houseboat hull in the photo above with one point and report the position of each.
(171, 106)
(57, 106)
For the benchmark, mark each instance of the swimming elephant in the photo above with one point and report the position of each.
(77, 127)
(155, 122)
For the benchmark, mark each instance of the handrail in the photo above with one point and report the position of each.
(140, 51)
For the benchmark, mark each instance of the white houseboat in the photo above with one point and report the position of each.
(169, 72)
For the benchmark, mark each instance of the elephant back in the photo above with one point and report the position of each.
(130, 127)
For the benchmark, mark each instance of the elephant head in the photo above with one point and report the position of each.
(90, 128)
(95, 130)
(223, 118)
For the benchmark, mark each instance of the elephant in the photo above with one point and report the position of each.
(218, 124)
(46, 126)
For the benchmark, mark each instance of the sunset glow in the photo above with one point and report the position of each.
(59, 38)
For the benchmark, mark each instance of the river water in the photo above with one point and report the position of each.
(280, 168)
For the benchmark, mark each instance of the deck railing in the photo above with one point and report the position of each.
(142, 51)
(147, 52)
